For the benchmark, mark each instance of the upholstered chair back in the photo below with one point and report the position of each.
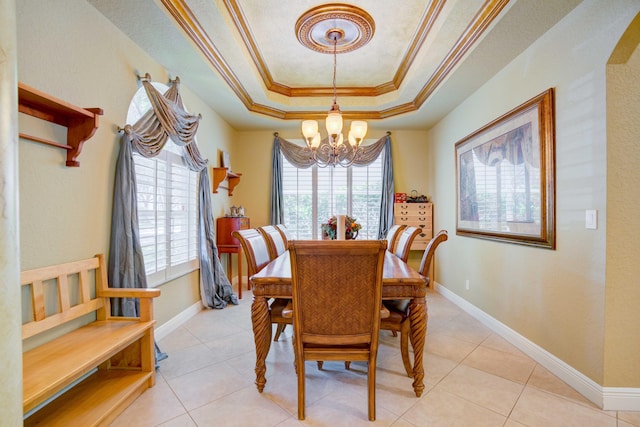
(255, 248)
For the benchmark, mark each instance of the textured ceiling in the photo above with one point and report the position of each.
(244, 59)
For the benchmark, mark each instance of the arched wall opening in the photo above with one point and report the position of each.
(622, 304)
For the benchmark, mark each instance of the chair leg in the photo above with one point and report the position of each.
(320, 363)
(301, 394)
(404, 348)
(347, 364)
(295, 357)
(371, 383)
(279, 330)
(394, 333)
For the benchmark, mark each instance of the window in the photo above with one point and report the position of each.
(313, 195)
(167, 206)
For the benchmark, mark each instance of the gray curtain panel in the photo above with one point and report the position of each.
(277, 196)
(166, 119)
(126, 264)
(215, 289)
(299, 156)
(386, 202)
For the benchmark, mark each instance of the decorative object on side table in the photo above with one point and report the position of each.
(330, 228)
(400, 197)
(235, 211)
(417, 198)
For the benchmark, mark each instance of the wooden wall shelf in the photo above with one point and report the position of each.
(221, 174)
(81, 123)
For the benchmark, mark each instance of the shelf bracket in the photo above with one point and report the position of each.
(222, 174)
(81, 123)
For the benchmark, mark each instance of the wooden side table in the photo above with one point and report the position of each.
(227, 244)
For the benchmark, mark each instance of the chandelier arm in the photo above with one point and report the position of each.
(325, 153)
(331, 154)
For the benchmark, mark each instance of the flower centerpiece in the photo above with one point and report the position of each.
(330, 228)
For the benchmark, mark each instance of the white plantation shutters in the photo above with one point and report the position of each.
(299, 201)
(151, 178)
(366, 195)
(167, 214)
(313, 195)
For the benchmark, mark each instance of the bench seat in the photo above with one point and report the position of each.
(51, 366)
(87, 376)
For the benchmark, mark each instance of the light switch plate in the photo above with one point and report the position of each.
(591, 219)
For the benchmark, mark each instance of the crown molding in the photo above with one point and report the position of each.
(186, 19)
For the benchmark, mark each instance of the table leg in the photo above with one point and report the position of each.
(418, 319)
(262, 337)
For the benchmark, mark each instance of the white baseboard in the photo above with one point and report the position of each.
(176, 321)
(607, 398)
(621, 398)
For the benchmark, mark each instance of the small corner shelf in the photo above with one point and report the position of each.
(221, 174)
(81, 123)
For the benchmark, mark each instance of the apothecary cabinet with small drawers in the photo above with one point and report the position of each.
(419, 215)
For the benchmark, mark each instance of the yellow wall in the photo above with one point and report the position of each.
(556, 299)
(622, 325)
(69, 50)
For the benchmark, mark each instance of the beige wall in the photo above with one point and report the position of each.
(556, 299)
(10, 331)
(69, 50)
(622, 325)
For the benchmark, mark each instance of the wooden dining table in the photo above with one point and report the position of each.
(399, 281)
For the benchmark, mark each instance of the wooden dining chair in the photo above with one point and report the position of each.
(258, 254)
(404, 241)
(286, 233)
(255, 247)
(393, 234)
(401, 248)
(277, 242)
(275, 239)
(398, 319)
(337, 291)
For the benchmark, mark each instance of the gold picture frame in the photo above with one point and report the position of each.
(505, 177)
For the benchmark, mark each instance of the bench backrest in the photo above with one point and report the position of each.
(35, 279)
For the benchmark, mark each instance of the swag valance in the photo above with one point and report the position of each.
(300, 156)
(166, 119)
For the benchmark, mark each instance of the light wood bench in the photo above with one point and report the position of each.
(100, 367)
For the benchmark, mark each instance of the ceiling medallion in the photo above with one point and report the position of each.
(316, 26)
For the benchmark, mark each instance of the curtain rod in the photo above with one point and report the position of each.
(145, 78)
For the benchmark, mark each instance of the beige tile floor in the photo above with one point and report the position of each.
(473, 378)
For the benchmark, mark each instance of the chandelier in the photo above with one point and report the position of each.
(333, 150)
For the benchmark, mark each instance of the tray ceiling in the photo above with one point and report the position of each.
(244, 58)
